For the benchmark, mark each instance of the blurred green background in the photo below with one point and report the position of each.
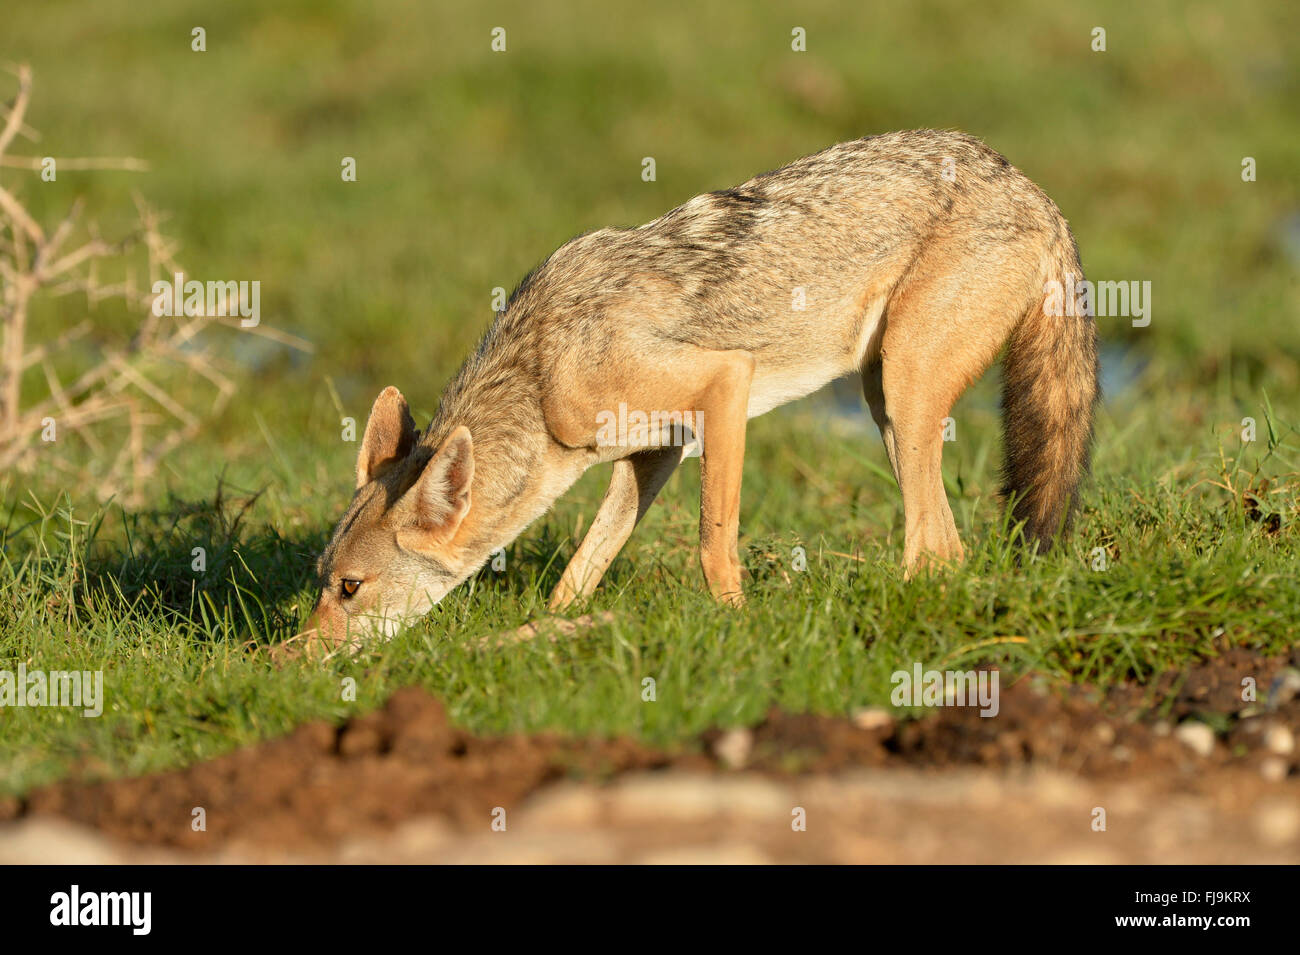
(473, 164)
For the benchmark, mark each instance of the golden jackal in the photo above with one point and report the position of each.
(911, 258)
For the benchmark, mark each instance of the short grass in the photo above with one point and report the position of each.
(472, 167)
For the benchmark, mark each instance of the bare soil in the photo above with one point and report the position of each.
(403, 784)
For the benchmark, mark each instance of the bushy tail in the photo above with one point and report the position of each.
(1049, 390)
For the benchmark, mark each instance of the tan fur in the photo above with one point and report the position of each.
(917, 256)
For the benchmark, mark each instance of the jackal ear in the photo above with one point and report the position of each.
(390, 436)
(439, 499)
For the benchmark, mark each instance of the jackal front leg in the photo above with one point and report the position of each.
(724, 404)
(632, 489)
(713, 388)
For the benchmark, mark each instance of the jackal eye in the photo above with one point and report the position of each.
(349, 587)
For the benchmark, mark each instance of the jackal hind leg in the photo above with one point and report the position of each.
(944, 329)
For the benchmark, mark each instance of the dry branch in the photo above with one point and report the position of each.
(137, 401)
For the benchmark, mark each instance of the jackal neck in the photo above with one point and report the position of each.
(498, 399)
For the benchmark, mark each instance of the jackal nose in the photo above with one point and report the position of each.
(319, 634)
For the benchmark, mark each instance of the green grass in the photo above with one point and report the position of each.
(472, 167)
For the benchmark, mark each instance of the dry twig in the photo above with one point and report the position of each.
(137, 401)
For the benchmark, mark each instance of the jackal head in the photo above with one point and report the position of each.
(393, 554)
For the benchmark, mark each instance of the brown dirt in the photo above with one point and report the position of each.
(369, 781)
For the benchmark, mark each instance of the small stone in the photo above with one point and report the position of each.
(1280, 740)
(733, 747)
(1160, 728)
(1278, 823)
(1285, 688)
(1273, 768)
(1105, 733)
(872, 718)
(1196, 736)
